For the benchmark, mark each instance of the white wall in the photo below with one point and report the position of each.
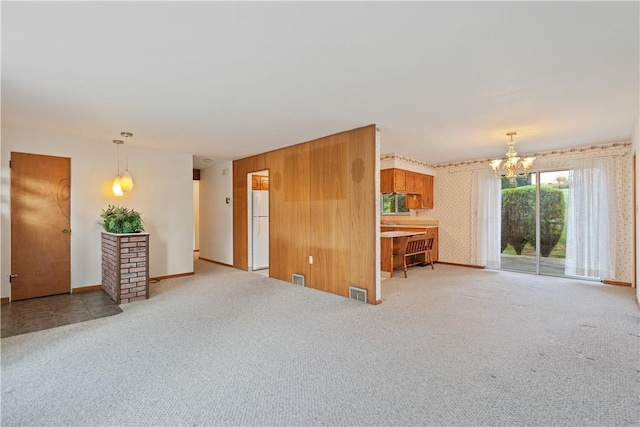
(162, 194)
(635, 143)
(196, 215)
(216, 215)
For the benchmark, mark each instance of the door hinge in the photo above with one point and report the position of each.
(9, 164)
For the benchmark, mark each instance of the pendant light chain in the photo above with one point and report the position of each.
(127, 180)
(116, 187)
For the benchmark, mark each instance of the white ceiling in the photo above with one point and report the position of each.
(444, 80)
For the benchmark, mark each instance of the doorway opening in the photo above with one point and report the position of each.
(534, 223)
(258, 217)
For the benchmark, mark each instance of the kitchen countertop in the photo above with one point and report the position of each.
(407, 223)
(400, 233)
(408, 226)
(400, 220)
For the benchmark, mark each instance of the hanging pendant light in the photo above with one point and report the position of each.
(126, 182)
(116, 187)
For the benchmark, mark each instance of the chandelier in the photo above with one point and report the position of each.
(512, 166)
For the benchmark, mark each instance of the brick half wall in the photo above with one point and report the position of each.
(125, 266)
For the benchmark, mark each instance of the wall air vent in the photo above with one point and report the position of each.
(297, 279)
(358, 294)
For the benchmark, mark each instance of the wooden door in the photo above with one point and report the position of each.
(40, 225)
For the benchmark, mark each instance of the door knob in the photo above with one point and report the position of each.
(66, 231)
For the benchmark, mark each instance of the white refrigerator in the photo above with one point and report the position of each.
(260, 229)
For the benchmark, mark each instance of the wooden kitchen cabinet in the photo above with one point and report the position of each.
(264, 182)
(386, 181)
(259, 182)
(417, 182)
(427, 191)
(399, 181)
(411, 183)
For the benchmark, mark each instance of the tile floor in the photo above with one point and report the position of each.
(21, 317)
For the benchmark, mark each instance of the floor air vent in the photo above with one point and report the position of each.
(297, 279)
(358, 294)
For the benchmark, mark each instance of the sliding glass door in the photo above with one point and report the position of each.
(534, 215)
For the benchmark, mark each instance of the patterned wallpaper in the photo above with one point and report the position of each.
(390, 161)
(452, 198)
(625, 218)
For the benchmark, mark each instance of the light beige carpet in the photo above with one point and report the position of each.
(450, 346)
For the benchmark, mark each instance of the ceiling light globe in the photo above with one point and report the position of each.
(126, 182)
(116, 187)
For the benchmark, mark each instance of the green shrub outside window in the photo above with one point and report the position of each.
(394, 203)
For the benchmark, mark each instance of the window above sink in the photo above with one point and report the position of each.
(393, 203)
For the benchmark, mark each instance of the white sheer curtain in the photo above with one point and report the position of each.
(591, 219)
(486, 223)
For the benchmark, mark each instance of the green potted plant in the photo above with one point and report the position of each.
(120, 220)
(125, 255)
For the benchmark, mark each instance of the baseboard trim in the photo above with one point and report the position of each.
(4, 300)
(86, 289)
(616, 282)
(172, 276)
(461, 265)
(378, 301)
(215, 262)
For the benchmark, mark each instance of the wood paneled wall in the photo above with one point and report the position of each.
(322, 204)
(289, 217)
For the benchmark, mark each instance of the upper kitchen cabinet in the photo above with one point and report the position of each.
(413, 182)
(264, 182)
(386, 181)
(400, 180)
(403, 181)
(259, 182)
(427, 191)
